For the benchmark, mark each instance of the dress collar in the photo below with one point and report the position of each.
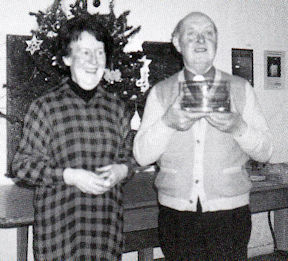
(83, 94)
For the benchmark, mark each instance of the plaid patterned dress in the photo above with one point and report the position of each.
(61, 130)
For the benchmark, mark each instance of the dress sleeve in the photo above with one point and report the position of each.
(257, 140)
(125, 154)
(34, 162)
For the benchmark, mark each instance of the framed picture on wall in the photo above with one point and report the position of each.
(274, 73)
(242, 64)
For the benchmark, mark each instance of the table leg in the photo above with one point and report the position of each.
(22, 243)
(281, 228)
(145, 254)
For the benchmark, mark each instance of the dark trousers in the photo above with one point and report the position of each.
(220, 235)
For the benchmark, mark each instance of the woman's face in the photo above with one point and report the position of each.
(87, 61)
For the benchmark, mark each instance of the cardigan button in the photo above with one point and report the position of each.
(190, 201)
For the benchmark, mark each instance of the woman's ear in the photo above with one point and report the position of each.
(67, 60)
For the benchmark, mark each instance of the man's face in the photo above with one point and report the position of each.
(197, 42)
(87, 61)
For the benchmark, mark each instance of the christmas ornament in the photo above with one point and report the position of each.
(33, 45)
(135, 121)
(143, 82)
(96, 3)
(112, 76)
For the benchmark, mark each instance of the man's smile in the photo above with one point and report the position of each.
(200, 50)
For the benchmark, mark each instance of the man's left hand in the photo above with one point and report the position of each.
(112, 174)
(227, 122)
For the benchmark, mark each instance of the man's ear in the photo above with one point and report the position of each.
(175, 41)
(67, 60)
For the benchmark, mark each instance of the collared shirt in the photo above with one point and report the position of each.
(199, 135)
(209, 75)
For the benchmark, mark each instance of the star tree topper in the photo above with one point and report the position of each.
(33, 45)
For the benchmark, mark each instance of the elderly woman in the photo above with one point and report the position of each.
(74, 151)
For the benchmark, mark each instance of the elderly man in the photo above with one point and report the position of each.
(203, 188)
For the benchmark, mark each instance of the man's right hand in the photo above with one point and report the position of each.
(86, 181)
(179, 119)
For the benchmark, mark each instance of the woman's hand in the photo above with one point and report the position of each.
(96, 183)
(86, 181)
(112, 174)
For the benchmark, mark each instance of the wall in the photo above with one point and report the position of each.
(258, 25)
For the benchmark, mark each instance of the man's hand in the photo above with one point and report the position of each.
(95, 183)
(179, 119)
(227, 122)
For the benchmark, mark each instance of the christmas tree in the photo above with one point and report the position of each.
(125, 75)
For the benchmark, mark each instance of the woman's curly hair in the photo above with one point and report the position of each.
(71, 31)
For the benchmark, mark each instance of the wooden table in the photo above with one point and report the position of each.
(140, 215)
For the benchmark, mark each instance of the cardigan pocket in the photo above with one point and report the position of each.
(233, 181)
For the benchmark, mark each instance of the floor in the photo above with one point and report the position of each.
(271, 257)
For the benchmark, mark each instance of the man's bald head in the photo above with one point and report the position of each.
(194, 15)
(195, 37)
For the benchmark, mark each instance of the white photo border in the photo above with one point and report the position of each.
(274, 70)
